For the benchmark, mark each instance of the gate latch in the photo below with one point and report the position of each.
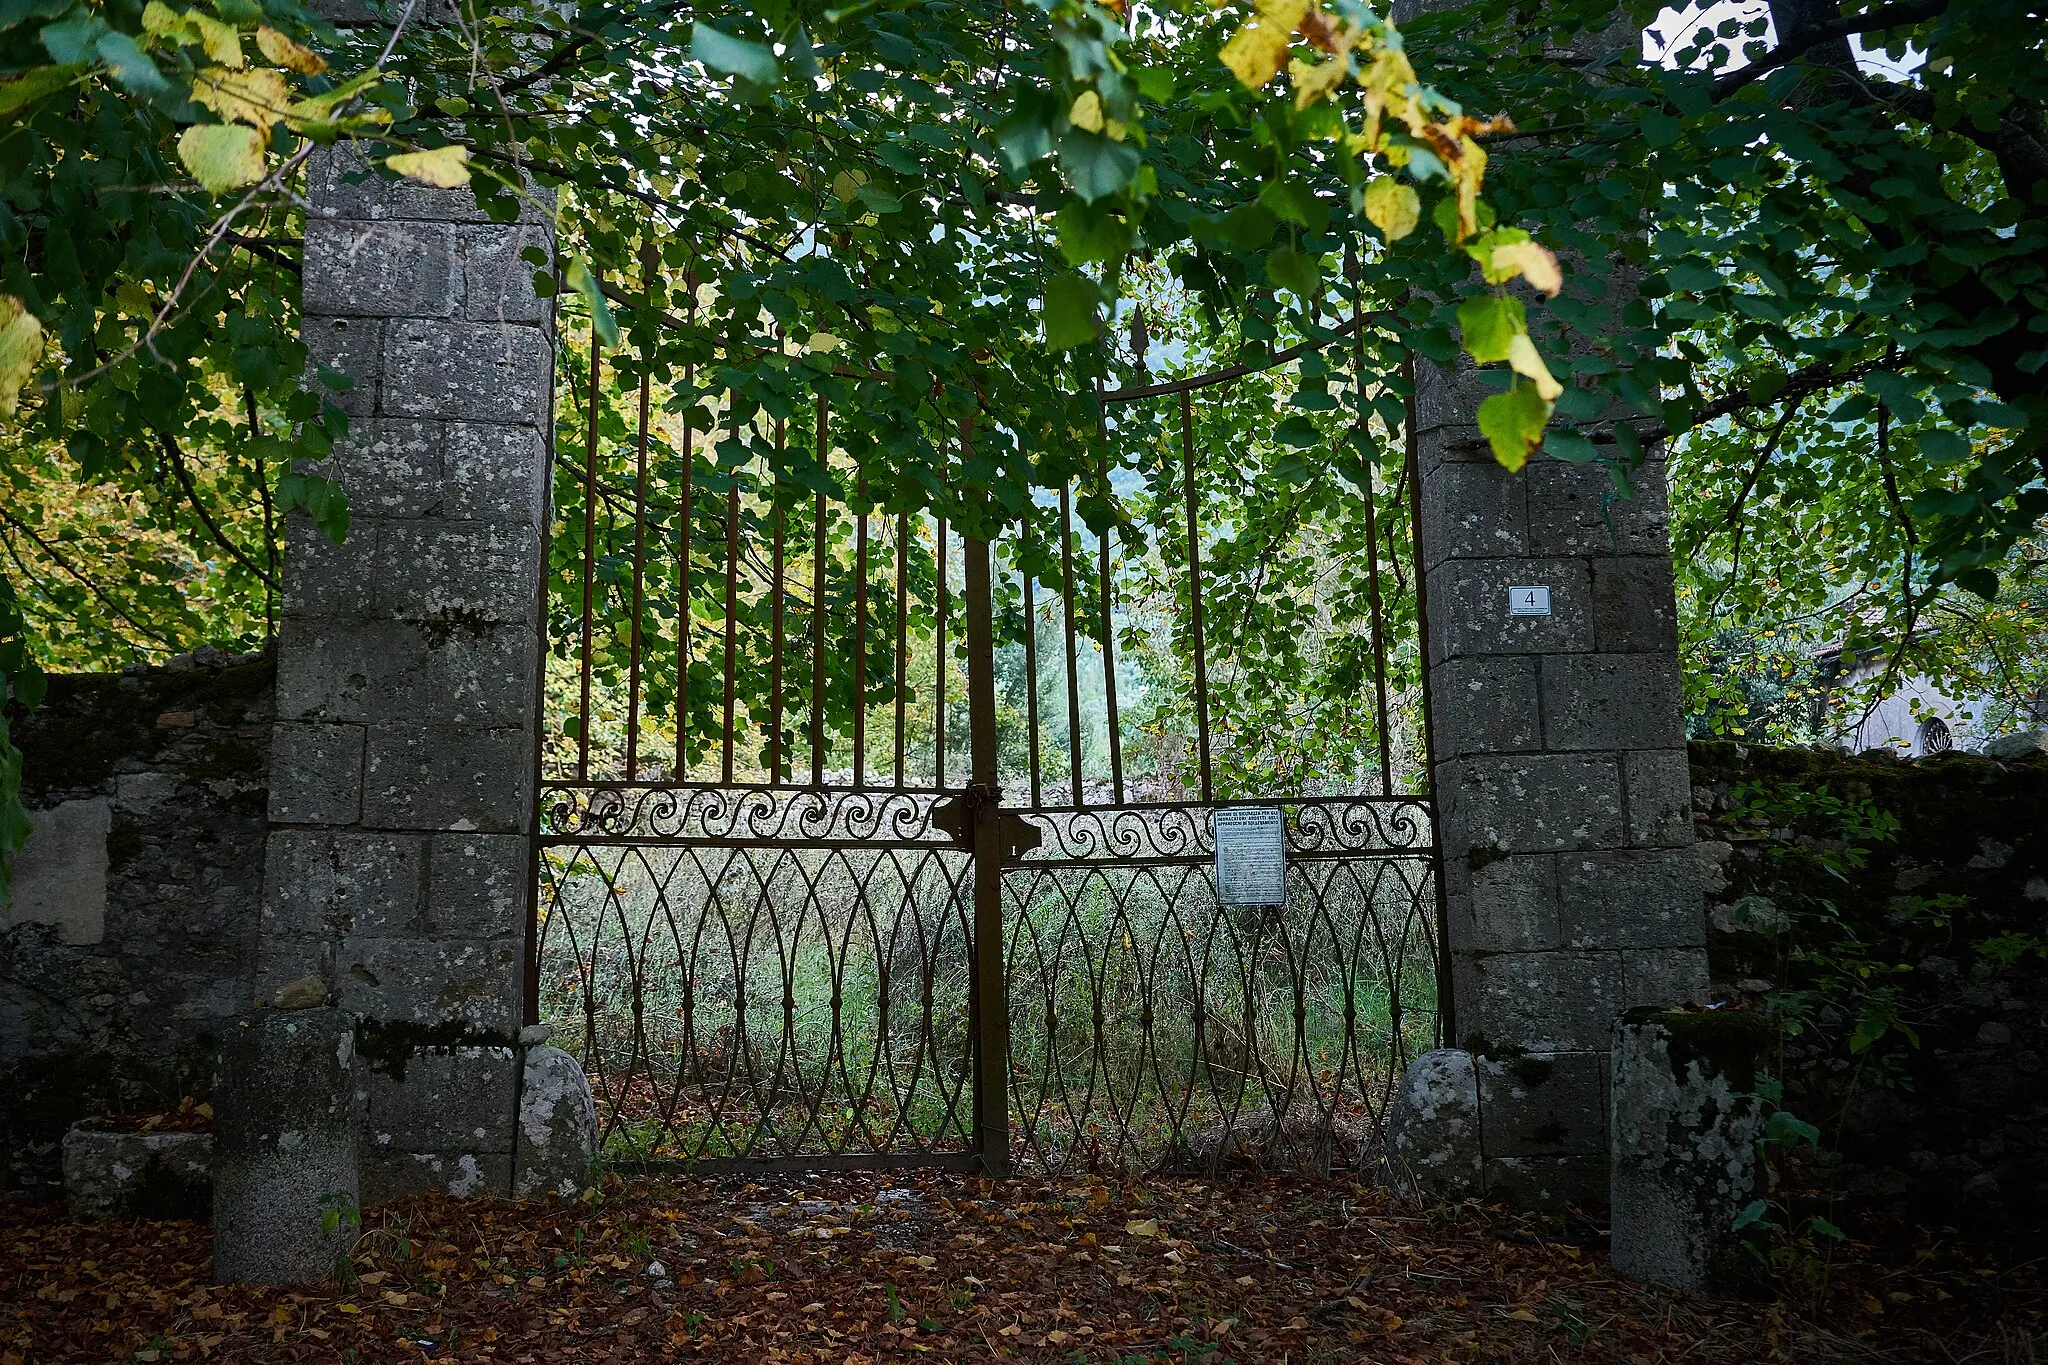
(956, 816)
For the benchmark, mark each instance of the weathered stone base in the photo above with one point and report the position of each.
(1432, 1148)
(557, 1148)
(1686, 1124)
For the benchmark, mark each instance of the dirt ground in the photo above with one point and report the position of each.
(862, 1268)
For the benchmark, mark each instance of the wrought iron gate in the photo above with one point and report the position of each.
(785, 919)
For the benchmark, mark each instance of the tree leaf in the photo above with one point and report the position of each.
(288, 54)
(1257, 51)
(580, 277)
(444, 168)
(1392, 207)
(1296, 270)
(222, 156)
(21, 346)
(729, 56)
(29, 88)
(1532, 262)
(132, 67)
(1524, 360)
(257, 98)
(223, 42)
(1489, 324)
(1513, 422)
(1314, 81)
(1096, 167)
(1070, 302)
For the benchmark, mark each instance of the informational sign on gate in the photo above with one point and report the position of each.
(1251, 855)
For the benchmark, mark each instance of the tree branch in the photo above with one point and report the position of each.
(1895, 15)
(192, 494)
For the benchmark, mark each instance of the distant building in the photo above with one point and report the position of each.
(1916, 720)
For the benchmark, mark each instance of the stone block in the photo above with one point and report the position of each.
(337, 883)
(1686, 1123)
(1663, 976)
(109, 1174)
(425, 671)
(358, 268)
(460, 779)
(1473, 511)
(458, 575)
(60, 874)
(1544, 1002)
(1447, 400)
(352, 346)
(341, 184)
(1536, 1104)
(480, 983)
(283, 959)
(1433, 1129)
(1536, 803)
(1468, 608)
(1633, 605)
(441, 1100)
(1573, 511)
(1502, 902)
(557, 1137)
(1486, 705)
(286, 1180)
(316, 774)
(322, 578)
(479, 885)
(1552, 1184)
(1612, 701)
(393, 467)
(495, 473)
(1659, 785)
(1631, 898)
(498, 283)
(465, 1175)
(466, 371)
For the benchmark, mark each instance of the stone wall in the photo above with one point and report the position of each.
(132, 933)
(1949, 914)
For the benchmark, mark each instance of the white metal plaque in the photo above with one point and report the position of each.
(1528, 601)
(1251, 855)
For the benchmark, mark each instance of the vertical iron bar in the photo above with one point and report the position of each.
(1446, 995)
(1187, 477)
(639, 533)
(902, 632)
(1372, 559)
(589, 558)
(1030, 660)
(989, 1007)
(776, 643)
(818, 616)
(860, 634)
(939, 729)
(1067, 621)
(1116, 742)
(732, 620)
(683, 613)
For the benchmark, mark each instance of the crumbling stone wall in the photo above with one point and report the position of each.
(1951, 911)
(132, 934)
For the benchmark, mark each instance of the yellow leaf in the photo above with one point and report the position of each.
(1142, 1227)
(222, 156)
(1314, 80)
(1087, 112)
(1259, 49)
(846, 185)
(1533, 263)
(444, 167)
(347, 1308)
(1392, 207)
(1468, 169)
(257, 98)
(221, 41)
(823, 342)
(288, 54)
(160, 20)
(395, 1297)
(1522, 1315)
(1386, 81)
(1524, 361)
(21, 346)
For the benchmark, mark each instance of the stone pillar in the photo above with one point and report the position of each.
(402, 791)
(1558, 752)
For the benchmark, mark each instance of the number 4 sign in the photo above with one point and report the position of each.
(1528, 601)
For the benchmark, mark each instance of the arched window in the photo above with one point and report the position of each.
(1934, 736)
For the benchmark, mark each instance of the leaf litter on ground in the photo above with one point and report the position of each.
(853, 1269)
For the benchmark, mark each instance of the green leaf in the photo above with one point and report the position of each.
(1294, 202)
(1070, 303)
(1943, 446)
(579, 276)
(13, 12)
(1295, 270)
(131, 66)
(1785, 1127)
(729, 56)
(1513, 422)
(1571, 447)
(1299, 432)
(1489, 325)
(1155, 83)
(1087, 234)
(1095, 166)
(1752, 1213)
(36, 84)
(74, 42)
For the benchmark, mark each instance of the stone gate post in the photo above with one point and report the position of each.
(403, 772)
(1564, 796)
